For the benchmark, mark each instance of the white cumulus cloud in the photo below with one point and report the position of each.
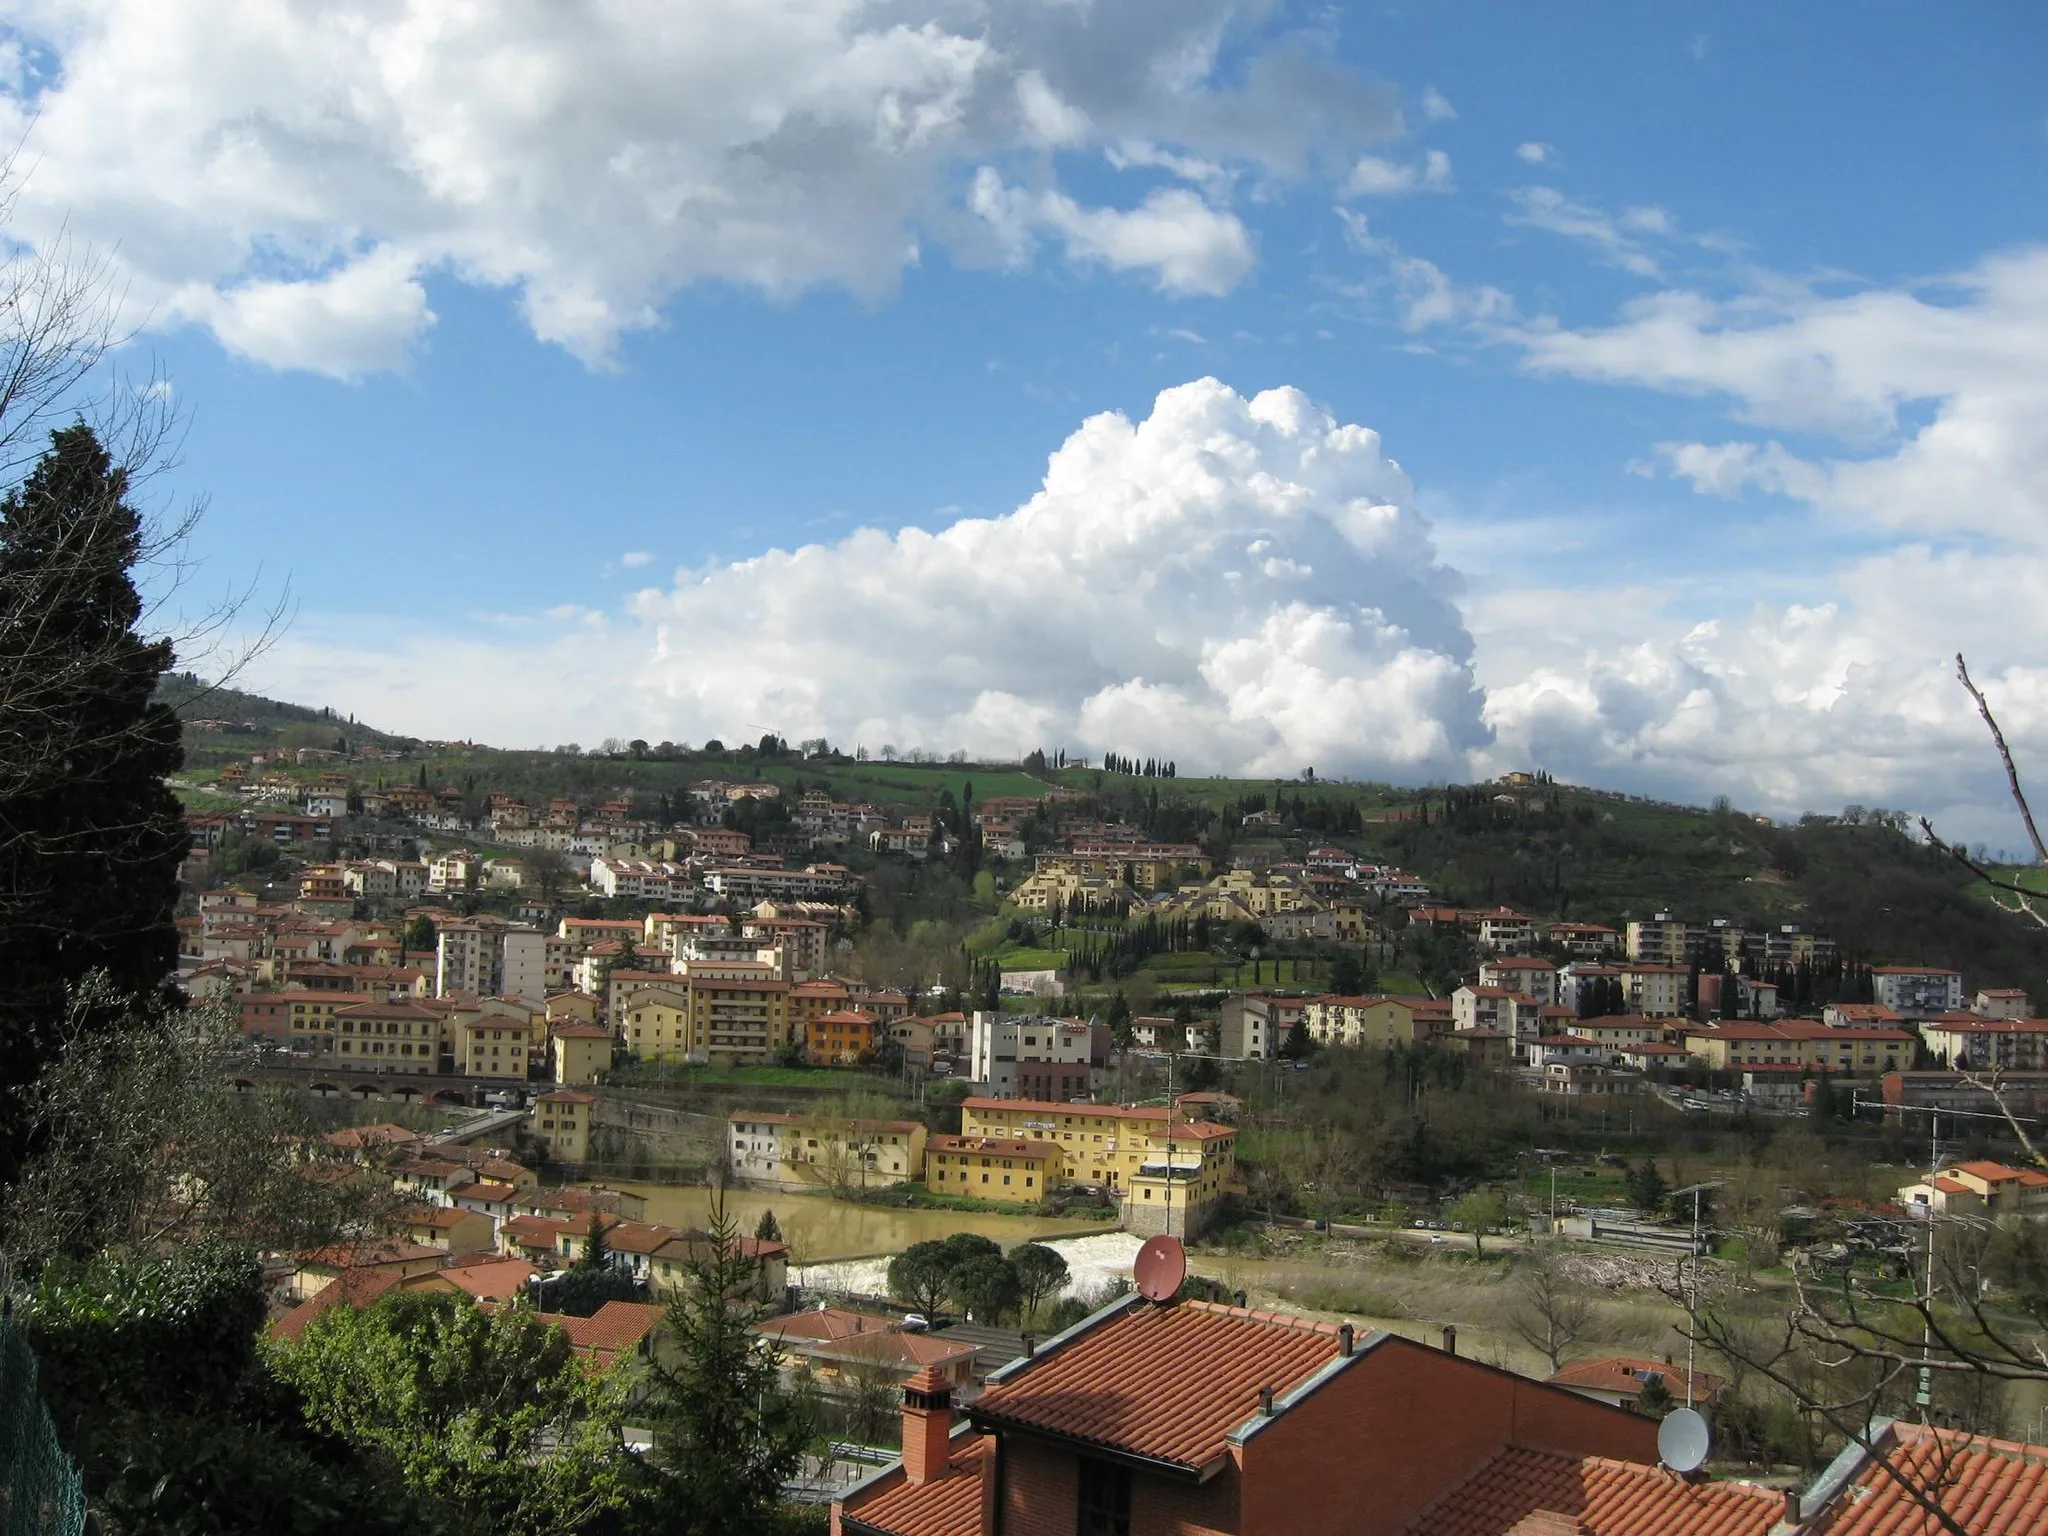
(1235, 583)
(289, 175)
(1375, 176)
(1186, 245)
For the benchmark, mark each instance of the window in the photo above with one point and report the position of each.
(1105, 1508)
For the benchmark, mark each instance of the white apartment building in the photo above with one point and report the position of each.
(1917, 991)
(491, 958)
(641, 879)
(1513, 1014)
(1509, 931)
(456, 870)
(1528, 975)
(1019, 1056)
(1658, 991)
(523, 965)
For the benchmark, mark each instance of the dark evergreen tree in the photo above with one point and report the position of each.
(90, 836)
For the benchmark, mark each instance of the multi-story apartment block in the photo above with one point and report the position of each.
(1917, 991)
(1663, 940)
(1660, 991)
(1849, 1052)
(395, 1036)
(1017, 1056)
(1529, 975)
(1374, 1023)
(1979, 1045)
(1513, 1014)
(2001, 1003)
(1167, 1171)
(1585, 941)
(1505, 931)
(1255, 1026)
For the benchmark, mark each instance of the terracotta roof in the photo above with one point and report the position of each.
(613, 1329)
(371, 1136)
(823, 1323)
(355, 1288)
(369, 1253)
(436, 1216)
(1538, 1493)
(1990, 1173)
(498, 1278)
(581, 1032)
(1626, 1373)
(945, 1506)
(1168, 1382)
(995, 1146)
(1992, 1487)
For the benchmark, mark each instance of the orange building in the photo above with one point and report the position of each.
(841, 1038)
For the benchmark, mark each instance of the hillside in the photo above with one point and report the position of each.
(1557, 851)
(223, 723)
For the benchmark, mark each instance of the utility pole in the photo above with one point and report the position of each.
(1692, 1300)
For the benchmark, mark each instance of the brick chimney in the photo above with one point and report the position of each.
(927, 1426)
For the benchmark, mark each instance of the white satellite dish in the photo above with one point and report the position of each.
(1683, 1440)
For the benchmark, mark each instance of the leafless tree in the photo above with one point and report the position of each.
(1550, 1313)
(1849, 1349)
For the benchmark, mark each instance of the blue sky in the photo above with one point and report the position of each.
(1700, 333)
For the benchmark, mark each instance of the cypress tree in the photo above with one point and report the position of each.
(91, 838)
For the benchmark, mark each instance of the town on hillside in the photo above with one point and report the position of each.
(1411, 1147)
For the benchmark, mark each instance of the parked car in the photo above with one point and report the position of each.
(914, 1322)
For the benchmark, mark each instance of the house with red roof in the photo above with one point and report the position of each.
(1621, 1380)
(840, 1347)
(1979, 1188)
(1190, 1416)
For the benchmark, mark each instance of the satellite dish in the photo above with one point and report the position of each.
(1683, 1440)
(1161, 1266)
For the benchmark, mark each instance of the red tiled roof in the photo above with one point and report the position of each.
(1167, 1382)
(1991, 1487)
(369, 1253)
(498, 1278)
(356, 1288)
(1529, 1492)
(1989, 1172)
(994, 1145)
(946, 1506)
(615, 1328)
(371, 1136)
(1625, 1373)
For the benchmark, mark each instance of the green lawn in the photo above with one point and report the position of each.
(1022, 959)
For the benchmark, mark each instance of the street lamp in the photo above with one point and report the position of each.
(1692, 1300)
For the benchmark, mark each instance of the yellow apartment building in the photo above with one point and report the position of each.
(1015, 1171)
(560, 1122)
(1110, 1144)
(580, 1053)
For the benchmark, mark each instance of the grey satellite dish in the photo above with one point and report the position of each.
(1683, 1440)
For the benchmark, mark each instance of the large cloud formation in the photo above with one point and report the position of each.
(1237, 584)
(292, 175)
(1229, 582)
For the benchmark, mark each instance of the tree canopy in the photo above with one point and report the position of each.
(91, 838)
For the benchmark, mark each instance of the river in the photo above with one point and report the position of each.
(818, 1228)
